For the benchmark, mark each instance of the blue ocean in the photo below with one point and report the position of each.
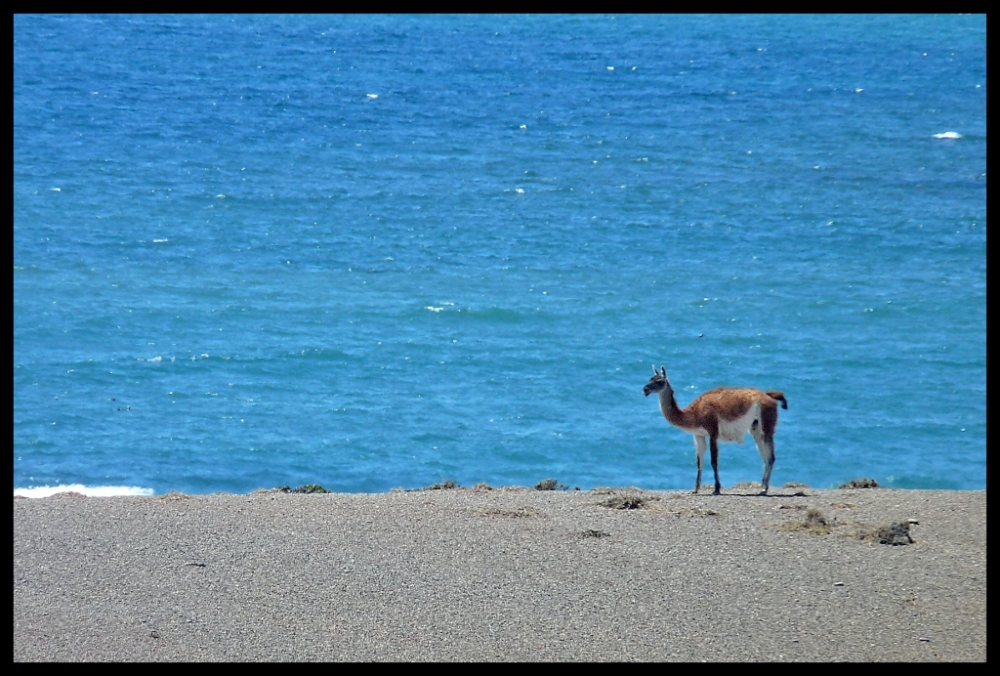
(376, 252)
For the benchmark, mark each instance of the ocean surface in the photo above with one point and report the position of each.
(373, 252)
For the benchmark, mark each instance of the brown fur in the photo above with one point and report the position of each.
(779, 396)
(721, 404)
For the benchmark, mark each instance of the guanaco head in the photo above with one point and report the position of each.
(658, 382)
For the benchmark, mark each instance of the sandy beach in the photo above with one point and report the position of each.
(502, 574)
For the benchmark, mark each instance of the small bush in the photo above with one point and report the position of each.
(815, 518)
(517, 512)
(443, 486)
(623, 501)
(174, 495)
(815, 523)
(305, 488)
(694, 511)
(895, 533)
(860, 483)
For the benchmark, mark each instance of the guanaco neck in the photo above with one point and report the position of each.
(672, 412)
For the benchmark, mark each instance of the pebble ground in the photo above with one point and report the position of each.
(495, 575)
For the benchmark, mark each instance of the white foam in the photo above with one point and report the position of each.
(373, 96)
(434, 309)
(948, 134)
(90, 491)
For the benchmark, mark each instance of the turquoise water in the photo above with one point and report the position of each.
(377, 252)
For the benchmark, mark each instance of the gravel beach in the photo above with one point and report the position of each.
(503, 574)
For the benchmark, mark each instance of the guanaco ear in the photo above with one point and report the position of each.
(655, 372)
(664, 372)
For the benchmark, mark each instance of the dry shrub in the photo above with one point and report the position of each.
(174, 495)
(863, 482)
(518, 512)
(895, 533)
(624, 501)
(815, 523)
(694, 511)
(443, 486)
(306, 488)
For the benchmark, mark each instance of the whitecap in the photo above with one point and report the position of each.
(160, 241)
(373, 96)
(90, 491)
(157, 358)
(948, 134)
(434, 309)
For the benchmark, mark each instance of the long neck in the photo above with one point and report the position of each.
(671, 411)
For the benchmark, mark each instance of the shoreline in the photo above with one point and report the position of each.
(106, 491)
(494, 574)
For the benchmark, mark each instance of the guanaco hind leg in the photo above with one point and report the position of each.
(765, 445)
(714, 444)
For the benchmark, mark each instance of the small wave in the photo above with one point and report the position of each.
(323, 354)
(494, 314)
(948, 134)
(89, 491)
(440, 307)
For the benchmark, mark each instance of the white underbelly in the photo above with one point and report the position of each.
(732, 430)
